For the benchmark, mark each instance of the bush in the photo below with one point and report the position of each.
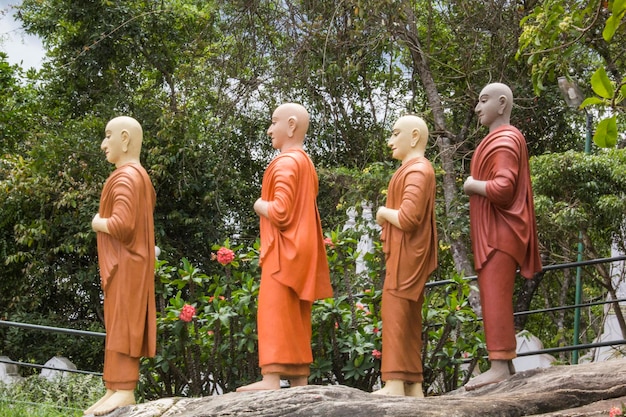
(207, 324)
(62, 397)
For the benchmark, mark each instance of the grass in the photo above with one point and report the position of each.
(37, 397)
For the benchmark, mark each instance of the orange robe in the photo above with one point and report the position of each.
(503, 232)
(294, 267)
(126, 258)
(410, 257)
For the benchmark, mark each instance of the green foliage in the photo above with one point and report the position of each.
(575, 191)
(454, 342)
(216, 351)
(37, 397)
(618, 10)
(609, 96)
(559, 38)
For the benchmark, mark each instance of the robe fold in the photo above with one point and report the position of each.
(410, 257)
(411, 251)
(126, 258)
(294, 266)
(505, 219)
(292, 244)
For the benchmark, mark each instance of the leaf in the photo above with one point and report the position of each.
(612, 23)
(619, 7)
(606, 133)
(590, 101)
(601, 84)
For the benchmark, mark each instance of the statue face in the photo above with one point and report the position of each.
(489, 107)
(113, 145)
(279, 129)
(400, 140)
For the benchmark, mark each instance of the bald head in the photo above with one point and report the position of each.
(417, 126)
(495, 103)
(298, 114)
(409, 138)
(122, 142)
(290, 122)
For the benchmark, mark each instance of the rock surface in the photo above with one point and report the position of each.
(559, 391)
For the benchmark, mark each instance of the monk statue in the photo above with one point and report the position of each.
(409, 238)
(503, 226)
(294, 267)
(126, 254)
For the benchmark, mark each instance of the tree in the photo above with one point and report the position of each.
(583, 41)
(203, 79)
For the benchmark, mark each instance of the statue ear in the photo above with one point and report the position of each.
(292, 122)
(503, 103)
(415, 137)
(125, 140)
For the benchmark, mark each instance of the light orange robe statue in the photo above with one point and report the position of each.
(409, 237)
(126, 256)
(503, 226)
(294, 267)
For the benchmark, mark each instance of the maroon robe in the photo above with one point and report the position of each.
(505, 219)
(503, 232)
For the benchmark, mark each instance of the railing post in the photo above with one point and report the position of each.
(578, 297)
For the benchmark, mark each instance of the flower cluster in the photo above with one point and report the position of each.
(225, 255)
(187, 313)
(377, 354)
(615, 411)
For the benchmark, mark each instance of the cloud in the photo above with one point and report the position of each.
(23, 49)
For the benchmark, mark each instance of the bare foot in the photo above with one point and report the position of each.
(100, 401)
(269, 382)
(392, 387)
(414, 390)
(499, 371)
(120, 398)
(298, 381)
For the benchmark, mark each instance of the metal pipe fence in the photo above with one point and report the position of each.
(575, 347)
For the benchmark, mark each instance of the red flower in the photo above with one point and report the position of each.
(329, 242)
(376, 330)
(615, 411)
(225, 256)
(187, 313)
(377, 354)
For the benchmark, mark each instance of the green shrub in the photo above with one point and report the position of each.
(212, 347)
(35, 396)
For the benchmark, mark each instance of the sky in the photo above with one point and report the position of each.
(23, 49)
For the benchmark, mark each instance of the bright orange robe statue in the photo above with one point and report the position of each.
(410, 257)
(293, 263)
(294, 267)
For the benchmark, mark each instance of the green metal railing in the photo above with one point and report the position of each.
(574, 348)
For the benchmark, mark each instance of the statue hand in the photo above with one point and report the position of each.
(467, 186)
(380, 219)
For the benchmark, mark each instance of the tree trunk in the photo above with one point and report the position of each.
(408, 34)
